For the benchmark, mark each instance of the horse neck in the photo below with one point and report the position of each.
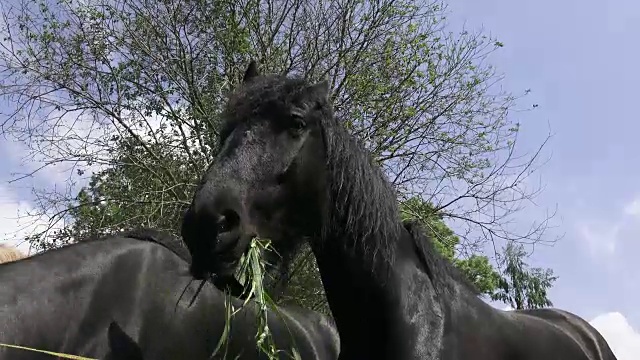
(375, 302)
(383, 302)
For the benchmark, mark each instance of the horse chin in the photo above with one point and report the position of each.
(225, 268)
(200, 267)
(218, 267)
(205, 264)
(198, 272)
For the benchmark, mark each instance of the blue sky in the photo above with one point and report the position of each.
(579, 59)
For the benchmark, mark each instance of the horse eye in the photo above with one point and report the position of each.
(298, 123)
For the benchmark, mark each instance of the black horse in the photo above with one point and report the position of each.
(121, 345)
(64, 300)
(288, 169)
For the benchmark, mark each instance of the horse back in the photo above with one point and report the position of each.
(64, 299)
(164, 238)
(591, 342)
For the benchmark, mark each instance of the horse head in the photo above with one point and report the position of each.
(267, 179)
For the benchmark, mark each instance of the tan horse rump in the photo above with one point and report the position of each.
(10, 253)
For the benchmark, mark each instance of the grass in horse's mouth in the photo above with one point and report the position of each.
(251, 274)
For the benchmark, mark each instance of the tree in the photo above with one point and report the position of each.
(305, 285)
(523, 287)
(125, 95)
(514, 283)
(477, 268)
(421, 98)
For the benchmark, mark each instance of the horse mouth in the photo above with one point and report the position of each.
(224, 265)
(225, 243)
(221, 258)
(202, 268)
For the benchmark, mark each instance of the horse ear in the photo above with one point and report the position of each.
(121, 345)
(319, 91)
(251, 72)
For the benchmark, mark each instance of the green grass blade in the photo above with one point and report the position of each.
(64, 356)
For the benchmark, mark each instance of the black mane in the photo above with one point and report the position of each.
(440, 270)
(365, 207)
(368, 202)
(164, 238)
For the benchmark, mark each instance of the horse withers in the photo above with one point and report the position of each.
(286, 170)
(64, 300)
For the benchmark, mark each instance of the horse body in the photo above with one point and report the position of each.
(64, 300)
(563, 335)
(286, 170)
(417, 319)
(475, 330)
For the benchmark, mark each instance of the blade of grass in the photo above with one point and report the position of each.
(251, 274)
(64, 356)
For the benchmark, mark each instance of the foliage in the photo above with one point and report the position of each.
(304, 286)
(124, 96)
(251, 274)
(477, 268)
(514, 283)
(126, 196)
(523, 287)
(83, 75)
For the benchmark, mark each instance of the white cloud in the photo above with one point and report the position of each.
(56, 148)
(15, 223)
(601, 240)
(633, 208)
(64, 141)
(623, 340)
(605, 236)
(80, 134)
(21, 163)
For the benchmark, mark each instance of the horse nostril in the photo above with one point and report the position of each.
(227, 221)
(221, 223)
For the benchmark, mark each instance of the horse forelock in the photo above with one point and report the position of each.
(248, 100)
